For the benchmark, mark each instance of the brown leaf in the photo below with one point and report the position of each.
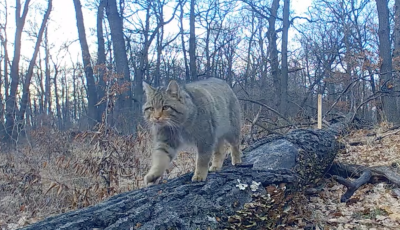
(59, 190)
(52, 185)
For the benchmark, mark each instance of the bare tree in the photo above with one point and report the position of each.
(389, 102)
(4, 57)
(285, 68)
(91, 86)
(11, 107)
(32, 63)
(192, 41)
(270, 14)
(48, 94)
(396, 50)
(396, 34)
(121, 62)
(101, 59)
(57, 89)
(182, 33)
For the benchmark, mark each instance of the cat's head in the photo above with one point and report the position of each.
(165, 106)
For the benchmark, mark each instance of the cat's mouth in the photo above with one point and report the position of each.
(162, 123)
(159, 122)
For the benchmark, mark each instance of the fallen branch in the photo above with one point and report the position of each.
(364, 174)
(352, 186)
(380, 137)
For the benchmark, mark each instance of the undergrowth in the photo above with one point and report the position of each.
(54, 172)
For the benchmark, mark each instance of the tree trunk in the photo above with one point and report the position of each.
(1, 99)
(91, 86)
(5, 82)
(192, 41)
(121, 60)
(285, 70)
(11, 102)
(47, 99)
(396, 51)
(75, 94)
(273, 51)
(65, 109)
(39, 82)
(396, 34)
(101, 60)
(249, 64)
(187, 73)
(389, 102)
(32, 63)
(160, 40)
(57, 98)
(4, 43)
(296, 159)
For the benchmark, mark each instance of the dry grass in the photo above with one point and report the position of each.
(54, 173)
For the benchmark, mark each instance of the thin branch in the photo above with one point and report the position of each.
(269, 108)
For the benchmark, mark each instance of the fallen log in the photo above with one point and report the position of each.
(293, 160)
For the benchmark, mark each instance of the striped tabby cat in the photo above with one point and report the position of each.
(204, 114)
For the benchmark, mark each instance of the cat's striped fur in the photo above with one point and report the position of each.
(204, 114)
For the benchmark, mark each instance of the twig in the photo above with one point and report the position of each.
(269, 108)
(370, 98)
(340, 96)
(380, 137)
(265, 128)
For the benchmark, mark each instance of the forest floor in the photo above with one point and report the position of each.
(373, 206)
(53, 174)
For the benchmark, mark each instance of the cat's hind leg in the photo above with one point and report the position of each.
(236, 153)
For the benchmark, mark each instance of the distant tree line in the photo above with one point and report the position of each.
(348, 51)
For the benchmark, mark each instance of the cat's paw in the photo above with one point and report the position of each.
(150, 178)
(199, 178)
(214, 168)
(236, 161)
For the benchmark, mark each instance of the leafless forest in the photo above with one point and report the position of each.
(346, 50)
(64, 116)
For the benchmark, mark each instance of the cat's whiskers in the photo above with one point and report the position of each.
(173, 127)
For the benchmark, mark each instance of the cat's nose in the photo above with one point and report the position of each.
(157, 116)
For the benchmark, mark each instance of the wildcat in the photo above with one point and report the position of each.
(204, 114)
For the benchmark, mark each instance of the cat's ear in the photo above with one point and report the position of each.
(173, 89)
(148, 89)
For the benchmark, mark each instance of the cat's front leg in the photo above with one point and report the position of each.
(202, 163)
(161, 158)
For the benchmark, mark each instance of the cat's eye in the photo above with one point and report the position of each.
(166, 107)
(149, 109)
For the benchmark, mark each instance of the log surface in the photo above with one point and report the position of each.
(295, 159)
